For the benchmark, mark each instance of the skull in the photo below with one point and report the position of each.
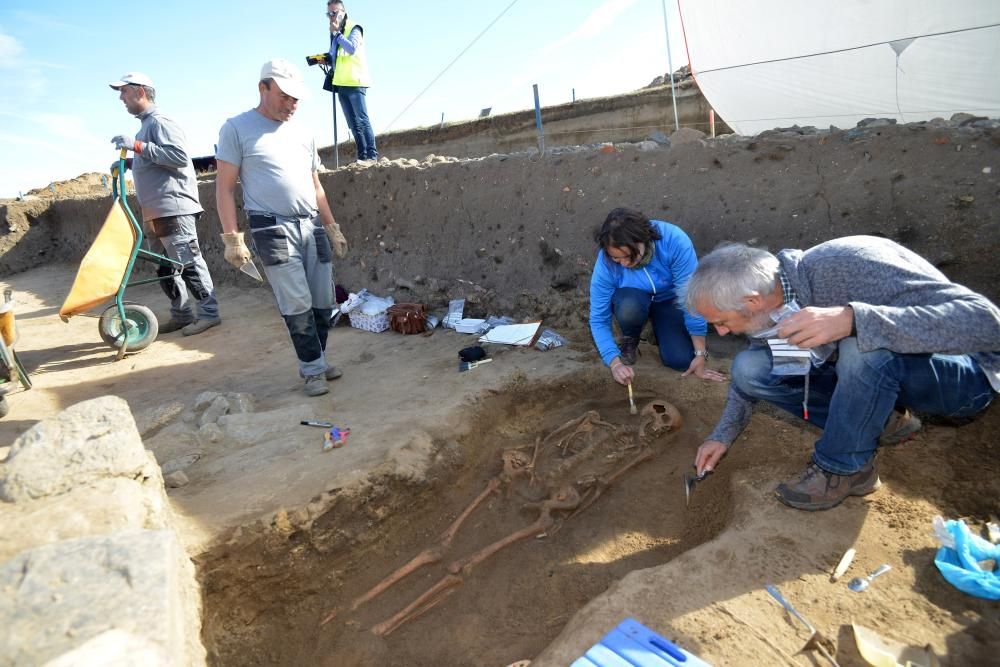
(659, 416)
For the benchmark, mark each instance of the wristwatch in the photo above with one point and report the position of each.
(701, 353)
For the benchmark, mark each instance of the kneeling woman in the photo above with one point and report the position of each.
(640, 264)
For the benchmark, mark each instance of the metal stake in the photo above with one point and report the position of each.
(538, 121)
(670, 64)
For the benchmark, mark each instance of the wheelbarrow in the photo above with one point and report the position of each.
(12, 372)
(106, 271)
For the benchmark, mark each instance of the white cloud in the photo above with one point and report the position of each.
(10, 51)
(599, 21)
(45, 21)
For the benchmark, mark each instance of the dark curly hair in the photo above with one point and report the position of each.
(626, 228)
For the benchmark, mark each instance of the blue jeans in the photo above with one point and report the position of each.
(352, 101)
(852, 398)
(632, 307)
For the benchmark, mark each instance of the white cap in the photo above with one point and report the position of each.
(134, 78)
(287, 76)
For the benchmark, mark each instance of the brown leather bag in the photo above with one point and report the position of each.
(408, 318)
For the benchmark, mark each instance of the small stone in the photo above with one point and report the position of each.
(176, 480)
(210, 433)
(218, 407)
(240, 402)
(203, 399)
(987, 170)
(179, 463)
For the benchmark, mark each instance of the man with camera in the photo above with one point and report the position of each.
(291, 225)
(348, 77)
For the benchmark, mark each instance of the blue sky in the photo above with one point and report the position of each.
(57, 114)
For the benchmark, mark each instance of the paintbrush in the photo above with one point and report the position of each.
(469, 365)
(631, 401)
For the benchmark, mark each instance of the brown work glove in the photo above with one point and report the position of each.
(337, 240)
(237, 252)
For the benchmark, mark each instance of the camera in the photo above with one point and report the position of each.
(318, 59)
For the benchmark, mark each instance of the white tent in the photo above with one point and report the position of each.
(774, 63)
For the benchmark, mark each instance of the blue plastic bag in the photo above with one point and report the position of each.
(959, 563)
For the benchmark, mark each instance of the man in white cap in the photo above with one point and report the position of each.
(292, 229)
(167, 189)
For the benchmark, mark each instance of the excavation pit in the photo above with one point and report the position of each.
(265, 598)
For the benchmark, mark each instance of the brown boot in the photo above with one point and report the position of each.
(816, 489)
(629, 346)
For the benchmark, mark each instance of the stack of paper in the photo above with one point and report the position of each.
(512, 334)
(469, 325)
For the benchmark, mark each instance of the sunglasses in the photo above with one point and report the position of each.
(334, 15)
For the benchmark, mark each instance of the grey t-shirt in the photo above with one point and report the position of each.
(276, 160)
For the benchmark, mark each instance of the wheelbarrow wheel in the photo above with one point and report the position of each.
(141, 330)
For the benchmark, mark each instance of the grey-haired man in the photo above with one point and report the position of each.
(167, 189)
(900, 336)
(291, 225)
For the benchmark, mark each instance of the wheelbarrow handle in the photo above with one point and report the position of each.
(776, 594)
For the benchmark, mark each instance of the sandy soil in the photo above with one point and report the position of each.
(284, 533)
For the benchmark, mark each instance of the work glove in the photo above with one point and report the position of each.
(237, 252)
(337, 240)
(127, 142)
(114, 167)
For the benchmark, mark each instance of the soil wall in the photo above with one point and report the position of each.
(631, 117)
(512, 234)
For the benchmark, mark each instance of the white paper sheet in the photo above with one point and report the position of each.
(512, 334)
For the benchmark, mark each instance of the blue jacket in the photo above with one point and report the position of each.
(672, 264)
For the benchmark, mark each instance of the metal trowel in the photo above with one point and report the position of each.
(690, 479)
(251, 270)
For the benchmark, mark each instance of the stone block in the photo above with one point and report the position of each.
(104, 507)
(55, 598)
(89, 441)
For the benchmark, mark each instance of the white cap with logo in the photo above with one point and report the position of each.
(133, 78)
(287, 76)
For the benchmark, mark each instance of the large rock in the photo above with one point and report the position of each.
(115, 648)
(55, 598)
(89, 441)
(101, 508)
(686, 135)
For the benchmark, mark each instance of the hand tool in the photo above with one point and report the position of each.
(859, 584)
(816, 641)
(469, 365)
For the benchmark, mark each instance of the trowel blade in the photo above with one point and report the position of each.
(688, 483)
(251, 270)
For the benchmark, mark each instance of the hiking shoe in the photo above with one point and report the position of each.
(630, 348)
(173, 325)
(332, 373)
(902, 426)
(199, 326)
(316, 385)
(817, 489)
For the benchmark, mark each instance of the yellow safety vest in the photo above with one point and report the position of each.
(351, 70)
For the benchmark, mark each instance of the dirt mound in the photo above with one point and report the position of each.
(92, 183)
